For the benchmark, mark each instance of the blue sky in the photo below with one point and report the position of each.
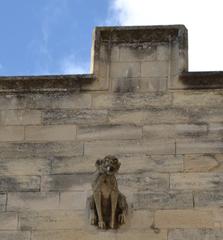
(48, 36)
(54, 36)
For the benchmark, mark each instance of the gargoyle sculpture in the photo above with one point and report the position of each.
(108, 207)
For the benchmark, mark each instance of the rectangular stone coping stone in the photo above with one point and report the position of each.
(202, 80)
(154, 33)
(44, 83)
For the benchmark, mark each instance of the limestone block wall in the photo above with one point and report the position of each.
(166, 129)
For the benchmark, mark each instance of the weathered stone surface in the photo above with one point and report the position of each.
(12, 101)
(32, 201)
(163, 52)
(24, 166)
(204, 98)
(208, 199)
(128, 146)
(74, 182)
(184, 219)
(174, 131)
(75, 117)
(14, 235)
(37, 149)
(199, 146)
(155, 163)
(201, 163)
(55, 100)
(8, 221)
(195, 234)
(131, 100)
(124, 70)
(73, 235)
(137, 52)
(21, 117)
(73, 200)
(51, 219)
(109, 132)
(2, 202)
(69, 165)
(155, 84)
(143, 182)
(184, 181)
(163, 200)
(154, 69)
(139, 219)
(50, 133)
(132, 235)
(19, 183)
(11, 133)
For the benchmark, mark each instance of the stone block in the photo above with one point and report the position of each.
(126, 117)
(19, 183)
(12, 101)
(154, 69)
(75, 117)
(201, 163)
(32, 201)
(73, 235)
(195, 234)
(124, 70)
(125, 84)
(163, 52)
(21, 117)
(50, 133)
(155, 84)
(196, 181)
(37, 149)
(136, 163)
(51, 220)
(8, 221)
(128, 146)
(199, 146)
(69, 165)
(73, 200)
(24, 166)
(109, 132)
(66, 183)
(132, 235)
(208, 199)
(56, 100)
(197, 98)
(2, 202)
(163, 200)
(15, 235)
(11, 133)
(131, 100)
(140, 220)
(137, 52)
(143, 182)
(186, 218)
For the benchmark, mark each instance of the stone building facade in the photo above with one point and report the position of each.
(140, 103)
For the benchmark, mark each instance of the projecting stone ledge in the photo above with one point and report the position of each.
(202, 80)
(47, 83)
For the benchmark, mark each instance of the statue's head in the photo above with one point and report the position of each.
(109, 165)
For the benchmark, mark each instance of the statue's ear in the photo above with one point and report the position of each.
(119, 164)
(98, 163)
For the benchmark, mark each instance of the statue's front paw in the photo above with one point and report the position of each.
(101, 224)
(93, 220)
(121, 218)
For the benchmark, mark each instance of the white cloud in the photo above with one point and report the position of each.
(203, 19)
(70, 66)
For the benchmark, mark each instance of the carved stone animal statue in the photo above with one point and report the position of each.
(108, 207)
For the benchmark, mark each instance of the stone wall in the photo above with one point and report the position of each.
(165, 125)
